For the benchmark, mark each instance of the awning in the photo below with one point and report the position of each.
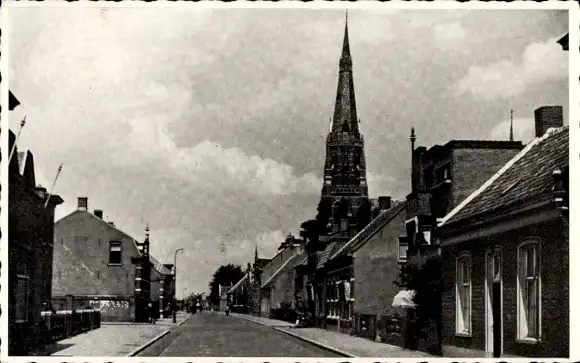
(404, 299)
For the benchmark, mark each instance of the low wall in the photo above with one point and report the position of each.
(111, 308)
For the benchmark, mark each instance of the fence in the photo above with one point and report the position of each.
(66, 323)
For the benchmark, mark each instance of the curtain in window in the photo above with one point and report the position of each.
(463, 295)
(347, 290)
(529, 284)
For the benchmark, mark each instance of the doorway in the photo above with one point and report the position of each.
(493, 304)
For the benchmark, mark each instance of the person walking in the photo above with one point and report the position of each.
(151, 313)
(198, 307)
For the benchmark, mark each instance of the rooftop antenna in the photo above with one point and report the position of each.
(22, 123)
(53, 184)
(511, 125)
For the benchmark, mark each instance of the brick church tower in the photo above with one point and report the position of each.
(344, 189)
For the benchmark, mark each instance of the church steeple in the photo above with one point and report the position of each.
(344, 170)
(345, 107)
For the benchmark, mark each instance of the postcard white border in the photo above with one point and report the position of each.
(574, 120)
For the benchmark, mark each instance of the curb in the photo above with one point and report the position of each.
(149, 343)
(257, 322)
(318, 344)
(142, 347)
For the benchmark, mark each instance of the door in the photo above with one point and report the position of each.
(494, 306)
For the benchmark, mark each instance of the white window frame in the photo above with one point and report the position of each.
(462, 327)
(522, 327)
(401, 258)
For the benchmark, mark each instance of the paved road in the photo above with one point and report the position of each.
(214, 335)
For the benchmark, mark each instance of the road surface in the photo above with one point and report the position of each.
(210, 334)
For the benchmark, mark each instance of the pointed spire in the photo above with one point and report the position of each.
(256, 254)
(345, 106)
(345, 60)
(511, 125)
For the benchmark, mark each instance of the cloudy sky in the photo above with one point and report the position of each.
(210, 124)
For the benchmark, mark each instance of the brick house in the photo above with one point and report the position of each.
(505, 255)
(98, 265)
(376, 260)
(31, 225)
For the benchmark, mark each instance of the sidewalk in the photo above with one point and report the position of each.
(113, 339)
(343, 344)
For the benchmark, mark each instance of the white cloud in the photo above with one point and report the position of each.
(524, 130)
(447, 34)
(540, 62)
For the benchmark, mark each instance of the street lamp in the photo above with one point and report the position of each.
(175, 282)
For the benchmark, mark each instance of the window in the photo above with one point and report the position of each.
(115, 253)
(463, 296)
(22, 297)
(529, 291)
(403, 247)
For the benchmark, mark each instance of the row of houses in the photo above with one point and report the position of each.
(80, 262)
(492, 214)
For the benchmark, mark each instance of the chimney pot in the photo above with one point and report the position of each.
(547, 117)
(384, 203)
(99, 213)
(83, 203)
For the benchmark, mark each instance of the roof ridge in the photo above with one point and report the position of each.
(278, 270)
(378, 220)
(550, 132)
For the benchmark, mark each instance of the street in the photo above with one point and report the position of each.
(211, 334)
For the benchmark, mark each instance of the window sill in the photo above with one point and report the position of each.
(115, 264)
(531, 341)
(463, 335)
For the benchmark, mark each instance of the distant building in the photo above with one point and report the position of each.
(31, 232)
(505, 253)
(98, 265)
(277, 279)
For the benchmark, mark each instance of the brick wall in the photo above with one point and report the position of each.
(30, 244)
(473, 167)
(81, 264)
(554, 295)
(85, 238)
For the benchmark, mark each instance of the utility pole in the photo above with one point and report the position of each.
(175, 284)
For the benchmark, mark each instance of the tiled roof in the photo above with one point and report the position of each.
(275, 275)
(158, 266)
(525, 176)
(375, 225)
(330, 250)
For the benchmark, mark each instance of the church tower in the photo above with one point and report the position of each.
(344, 187)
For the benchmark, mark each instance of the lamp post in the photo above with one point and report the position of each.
(175, 283)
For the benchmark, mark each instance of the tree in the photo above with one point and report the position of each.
(425, 279)
(225, 275)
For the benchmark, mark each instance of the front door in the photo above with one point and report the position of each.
(494, 321)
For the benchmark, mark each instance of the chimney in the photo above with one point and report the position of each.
(384, 203)
(99, 213)
(83, 203)
(547, 117)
